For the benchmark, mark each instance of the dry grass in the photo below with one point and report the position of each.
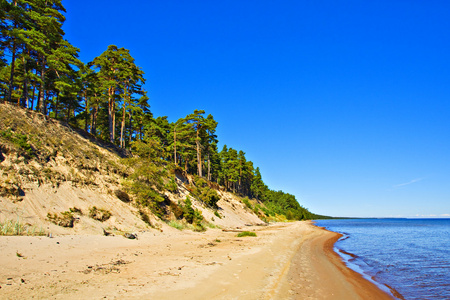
(10, 227)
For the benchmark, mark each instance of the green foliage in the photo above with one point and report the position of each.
(75, 210)
(99, 214)
(246, 233)
(281, 203)
(106, 98)
(191, 215)
(63, 219)
(247, 202)
(204, 193)
(171, 186)
(19, 140)
(216, 213)
(148, 177)
(188, 211)
(198, 217)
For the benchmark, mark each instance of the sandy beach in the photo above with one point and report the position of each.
(285, 261)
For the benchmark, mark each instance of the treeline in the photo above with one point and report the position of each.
(40, 70)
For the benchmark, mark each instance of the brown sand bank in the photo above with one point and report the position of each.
(285, 261)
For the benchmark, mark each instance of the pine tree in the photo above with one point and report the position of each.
(196, 121)
(117, 73)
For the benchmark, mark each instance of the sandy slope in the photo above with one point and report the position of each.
(285, 261)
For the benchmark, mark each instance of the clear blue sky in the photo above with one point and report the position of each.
(345, 104)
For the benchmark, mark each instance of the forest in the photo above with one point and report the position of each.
(40, 70)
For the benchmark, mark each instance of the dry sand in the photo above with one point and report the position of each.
(284, 261)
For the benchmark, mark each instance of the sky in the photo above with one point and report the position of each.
(344, 104)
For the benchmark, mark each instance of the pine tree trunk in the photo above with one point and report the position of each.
(42, 101)
(25, 93)
(199, 154)
(32, 97)
(110, 114)
(175, 145)
(130, 128)
(94, 121)
(38, 102)
(11, 77)
(209, 168)
(25, 84)
(86, 112)
(57, 106)
(122, 127)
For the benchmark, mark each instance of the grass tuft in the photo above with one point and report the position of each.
(99, 214)
(246, 233)
(177, 224)
(10, 227)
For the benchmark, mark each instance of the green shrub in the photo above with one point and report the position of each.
(19, 140)
(216, 213)
(123, 196)
(177, 211)
(64, 219)
(188, 210)
(247, 202)
(199, 228)
(75, 210)
(198, 217)
(99, 214)
(204, 193)
(144, 217)
(246, 233)
(172, 186)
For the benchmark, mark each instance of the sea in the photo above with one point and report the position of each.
(409, 256)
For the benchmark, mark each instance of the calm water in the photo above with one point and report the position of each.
(410, 255)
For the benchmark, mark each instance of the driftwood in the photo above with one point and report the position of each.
(232, 230)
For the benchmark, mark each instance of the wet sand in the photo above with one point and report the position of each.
(285, 261)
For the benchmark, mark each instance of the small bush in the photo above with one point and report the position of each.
(63, 219)
(144, 217)
(216, 213)
(247, 203)
(198, 216)
(198, 227)
(204, 193)
(246, 233)
(177, 211)
(188, 211)
(172, 186)
(99, 214)
(123, 196)
(75, 210)
(19, 140)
